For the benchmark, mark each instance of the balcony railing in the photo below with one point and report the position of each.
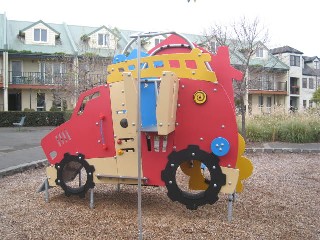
(267, 85)
(294, 90)
(38, 78)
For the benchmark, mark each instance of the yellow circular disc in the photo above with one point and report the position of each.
(199, 97)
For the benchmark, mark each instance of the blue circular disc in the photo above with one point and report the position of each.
(220, 146)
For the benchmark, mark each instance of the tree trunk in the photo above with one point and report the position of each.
(243, 118)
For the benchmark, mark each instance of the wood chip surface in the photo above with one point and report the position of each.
(280, 201)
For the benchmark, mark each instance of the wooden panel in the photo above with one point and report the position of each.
(124, 106)
(167, 103)
(51, 175)
(232, 176)
(104, 166)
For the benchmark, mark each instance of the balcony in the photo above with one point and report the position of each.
(35, 78)
(38, 78)
(267, 86)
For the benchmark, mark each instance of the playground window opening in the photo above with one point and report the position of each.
(158, 64)
(191, 64)
(174, 63)
(86, 100)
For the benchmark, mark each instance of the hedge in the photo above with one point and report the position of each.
(33, 119)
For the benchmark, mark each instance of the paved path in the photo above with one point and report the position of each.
(20, 150)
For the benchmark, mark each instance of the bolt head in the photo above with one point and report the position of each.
(170, 182)
(214, 185)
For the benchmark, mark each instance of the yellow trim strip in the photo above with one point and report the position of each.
(201, 72)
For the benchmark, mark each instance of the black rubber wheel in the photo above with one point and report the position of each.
(193, 201)
(71, 167)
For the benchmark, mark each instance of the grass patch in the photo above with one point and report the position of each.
(295, 127)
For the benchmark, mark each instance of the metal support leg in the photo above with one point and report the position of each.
(230, 201)
(46, 190)
(80, 178)
(91, 199)
(118, 187)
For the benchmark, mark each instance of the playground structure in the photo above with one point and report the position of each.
(160, 115)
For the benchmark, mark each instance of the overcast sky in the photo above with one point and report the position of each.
(289, 22)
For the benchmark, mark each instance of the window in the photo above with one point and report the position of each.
(42, 72)
(316, 65)
(269, 104)
(260, 101)
(268, 101)
(59, 68)
(41, 102)
(294, 60)
(310, 104)
(259, 52)
(311, 85)
(103, 39)
(304, 103)
(40, 35)
(304, 83)
(214, 47)
(157, 41)
(16, 72)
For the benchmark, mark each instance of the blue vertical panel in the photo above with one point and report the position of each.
(148, 106)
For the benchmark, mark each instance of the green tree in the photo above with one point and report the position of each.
(316, 97)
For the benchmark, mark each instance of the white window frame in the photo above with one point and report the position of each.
(259, 52)
(311, 83)
(105, 39)
(41, 33)
(304, 83)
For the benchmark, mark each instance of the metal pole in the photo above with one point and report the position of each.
(139, 141)
(46, 190)
(91, 199)
(231, 198)
(80, 178)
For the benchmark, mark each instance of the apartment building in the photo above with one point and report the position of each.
(267, 82)
(304, 77)
(45, 66)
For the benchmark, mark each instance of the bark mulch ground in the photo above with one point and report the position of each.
(280, 201)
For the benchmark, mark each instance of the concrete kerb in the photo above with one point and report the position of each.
(281, 150)
(23, 167)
